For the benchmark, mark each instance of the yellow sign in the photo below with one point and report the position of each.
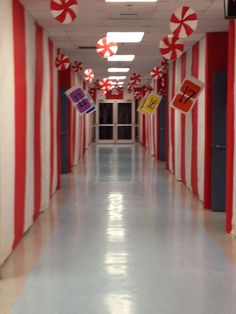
(152, 103)
(142, 104)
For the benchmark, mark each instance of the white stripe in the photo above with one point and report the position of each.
(45, 128)
(177, 131)
(169, 110)
(201, 120)
(54, 183)
(234, 166)
(7, 130)
(188, 130)
(30, 77)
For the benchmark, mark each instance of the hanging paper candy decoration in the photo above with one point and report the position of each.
(106, 49)
(135, 78)
(171, 47)
(138, 94)
(156, 73)
(64, 11)
(89, 75)
(164, 65)
(105, 84)
(130, 87)
(77, 66)
(62, 62)
(104, 92)
(183, 22)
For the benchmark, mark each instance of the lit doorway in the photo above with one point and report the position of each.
(115, 122)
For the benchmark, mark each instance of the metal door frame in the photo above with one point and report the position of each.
(115, 124)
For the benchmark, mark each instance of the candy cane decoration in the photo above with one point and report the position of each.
(105, 84)
(64, 11)
(62, 62)
(183, 22)
(135, 78)
(171, 47)
(156, 73)
(89, 75)
(106, 49)
(77, 66)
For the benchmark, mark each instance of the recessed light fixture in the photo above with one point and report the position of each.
(117, 77)
(118, 70)
(125, 37)
(131, 0)
(121, 58)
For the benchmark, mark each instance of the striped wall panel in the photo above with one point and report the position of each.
(29, 154)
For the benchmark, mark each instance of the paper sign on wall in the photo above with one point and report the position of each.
(188, 94)
(141, 105)
(152, 103)
(75, 94)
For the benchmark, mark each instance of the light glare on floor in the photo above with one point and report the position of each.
(125, 37)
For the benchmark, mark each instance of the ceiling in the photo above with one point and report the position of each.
(96, 17)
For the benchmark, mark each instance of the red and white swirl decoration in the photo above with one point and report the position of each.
(104, 92)
(138, 95)
(105, 84)
(62, 62)
(64, 11)
(89, 75)
(171, 47)
(135, 78)
(164, 65)
(106, 49)
(77, 66)
(156, 73)
(183, 22)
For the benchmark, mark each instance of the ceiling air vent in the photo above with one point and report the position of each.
(87, 47)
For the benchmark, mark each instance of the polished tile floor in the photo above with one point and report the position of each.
(122, 237)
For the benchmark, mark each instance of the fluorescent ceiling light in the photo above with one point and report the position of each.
(121, 58)
(119, 83)
(118, 70)
(131, 0)
(125, 37)
(117, 77)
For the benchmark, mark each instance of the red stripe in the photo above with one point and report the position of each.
(144, 130)
(158, 134)
(59, 137)
(20, 117)
(194, 165)
(51, 62)
(74, 131)
(167, 122)
(230, 128)
(173, 117)
(37, 121)
(182, 165)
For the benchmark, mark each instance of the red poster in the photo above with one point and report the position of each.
(115, 94)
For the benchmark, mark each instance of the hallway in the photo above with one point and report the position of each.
(122, 237)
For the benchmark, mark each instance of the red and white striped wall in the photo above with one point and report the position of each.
(231, 130)
(28, 124)
(187, 132)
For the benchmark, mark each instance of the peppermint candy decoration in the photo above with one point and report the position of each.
(104, 92)
(138, 95)
(130, 87)
(62, 62)
(105, 84)
(171, 47)
(64, 11)
(106, 49)
(156, 73)
(183, 22)
(89, 75)
(164, 65)
(135, 78)
(77, 66)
